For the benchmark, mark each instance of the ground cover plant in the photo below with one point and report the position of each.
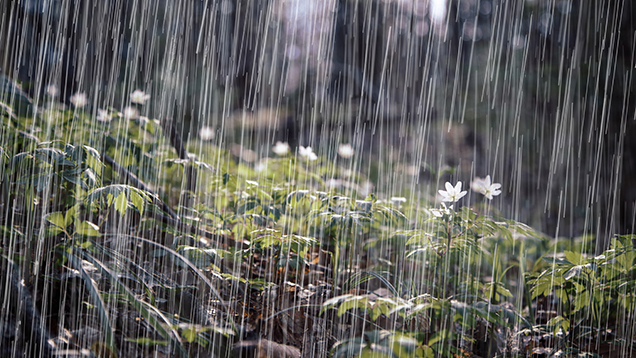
(118, 242)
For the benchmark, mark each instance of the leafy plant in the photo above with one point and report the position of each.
(590, 292)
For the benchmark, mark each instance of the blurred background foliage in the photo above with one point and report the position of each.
(536, 93)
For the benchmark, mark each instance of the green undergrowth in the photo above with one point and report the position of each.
(115, 244)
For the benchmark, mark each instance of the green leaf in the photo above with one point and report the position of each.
(121, 203)
(267, 241)
(137, 201)
(574, 257)
(70, 215)
(54, 230)
(87, 228)
(559, 322)
(332, 302)
(354, 302)
(428, 352)
(57, 219)
(189, 332)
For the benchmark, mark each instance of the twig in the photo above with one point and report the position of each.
(175, 139)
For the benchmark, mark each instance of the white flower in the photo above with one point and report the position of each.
(307, 153)
(260, 166)
(79, 99)
(398, 200)
(206, 133)
(139, 97)
(281, 148)
(365, 188)
(333, 183)
(130, 113)
(103, 115)
(443, 211)
(248, 155)
(345, 150)
(451, 193)
(51, 90)
(486, 187)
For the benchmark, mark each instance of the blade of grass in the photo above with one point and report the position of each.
(360, 278)
(192, 267)
(116, 256)
(140, 306)
(97, 301)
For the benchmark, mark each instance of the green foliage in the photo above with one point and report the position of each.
(119, 197)
(591, 290)
(424, 282)
(383, 344)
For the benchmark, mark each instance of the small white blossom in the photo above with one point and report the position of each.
(366, 188)
(486, 187)
(443, 211)
(307, 153)
(130, 113)
(103, 115)
(51, 90)
(139, 97)
(451, 193)
(398, 200)
(248, 155)
(345, 150)
(79, 99)
(281, 148)
(333, 183)
(260, 166)
(206, 133)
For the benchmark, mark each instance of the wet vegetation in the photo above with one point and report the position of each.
(287, 255)
(340, 179)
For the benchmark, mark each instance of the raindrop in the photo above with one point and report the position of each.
(438, 10)
(422, 28)
(227, 7)
(518, 42)
(485, 7)
(545, 24)
(564, 6)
